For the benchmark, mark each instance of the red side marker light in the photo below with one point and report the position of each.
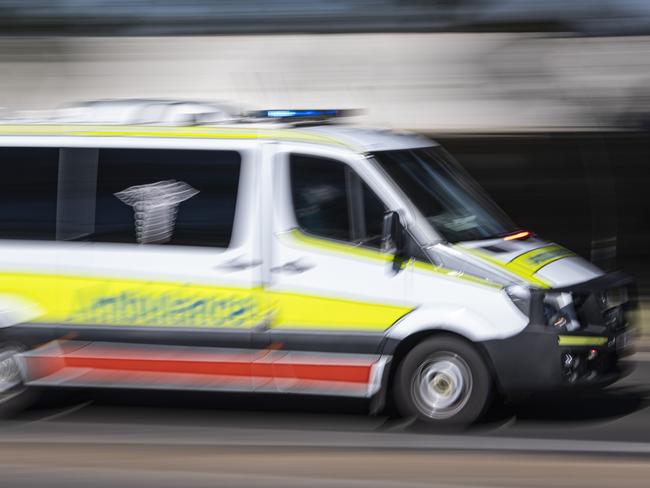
(524, 234)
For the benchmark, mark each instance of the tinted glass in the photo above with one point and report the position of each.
(28, 193)
(75, 211)
(331, 201)
(445, 194)
(319, 196)
(166, 196)
(374, 210)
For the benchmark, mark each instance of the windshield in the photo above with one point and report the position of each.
(445, 194)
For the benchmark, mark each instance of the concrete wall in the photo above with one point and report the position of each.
(418, 81)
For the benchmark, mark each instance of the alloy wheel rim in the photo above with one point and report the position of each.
(10, 373)
(442, 385)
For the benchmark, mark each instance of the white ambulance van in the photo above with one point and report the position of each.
(283, 256)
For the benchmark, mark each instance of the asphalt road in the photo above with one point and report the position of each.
(124, 438)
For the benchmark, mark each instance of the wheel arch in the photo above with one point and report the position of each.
(406, 345)
(461, 321)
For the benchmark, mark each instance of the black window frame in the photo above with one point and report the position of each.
(39, 175)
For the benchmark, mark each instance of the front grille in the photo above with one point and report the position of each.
(614, 318)
(603, 308)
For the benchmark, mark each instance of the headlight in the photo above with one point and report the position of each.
(560, 312)
(520, 296)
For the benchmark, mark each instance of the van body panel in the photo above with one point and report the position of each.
(291, 303)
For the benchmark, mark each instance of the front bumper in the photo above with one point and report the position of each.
(537, 360)
(542, 357)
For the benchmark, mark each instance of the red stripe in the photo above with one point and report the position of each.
(356, 373)
(227, 368)
(324, 372)
(220, 366)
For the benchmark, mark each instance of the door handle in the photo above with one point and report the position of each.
(237, 265)
(293, 267)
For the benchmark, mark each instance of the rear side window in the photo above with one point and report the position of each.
(331, 201)
(28, 193)
(158, 196)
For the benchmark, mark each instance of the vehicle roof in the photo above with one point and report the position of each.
(372, 139)
(129, 111)
(353, 138)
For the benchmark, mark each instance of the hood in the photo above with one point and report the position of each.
(534, 260)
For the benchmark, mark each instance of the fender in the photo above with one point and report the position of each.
(459, 319)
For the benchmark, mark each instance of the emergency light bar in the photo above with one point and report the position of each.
(305, 114)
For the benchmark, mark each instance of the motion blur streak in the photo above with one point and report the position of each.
(546, 104)
(73, 363)
(195, 466)
(421, 81)
(167, 439)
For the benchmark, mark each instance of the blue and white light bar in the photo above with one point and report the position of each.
(301, 114)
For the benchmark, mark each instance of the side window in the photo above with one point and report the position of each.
(331, 201)
(28, 193)
(318, 188)
(156, 196)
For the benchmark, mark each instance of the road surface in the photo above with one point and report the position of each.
(123, 438)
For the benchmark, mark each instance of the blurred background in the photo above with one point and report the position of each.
(546, 103)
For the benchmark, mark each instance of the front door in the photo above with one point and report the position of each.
(333, 291)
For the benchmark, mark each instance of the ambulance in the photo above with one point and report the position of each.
(284, 252)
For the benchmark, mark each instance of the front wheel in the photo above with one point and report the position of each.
(441, 381)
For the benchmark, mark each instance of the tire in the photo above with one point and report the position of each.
(443, 381)
(14, 394)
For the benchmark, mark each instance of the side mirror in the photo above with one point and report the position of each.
(393, 239)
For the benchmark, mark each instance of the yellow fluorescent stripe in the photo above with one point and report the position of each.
(304, 311)
(363, 252)
(313, 312)
(565, 340)
(338, 247)
(440, 271)
(97, 300)
(293, 135)
(520, 269)
(538, 258)
(105, 301)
